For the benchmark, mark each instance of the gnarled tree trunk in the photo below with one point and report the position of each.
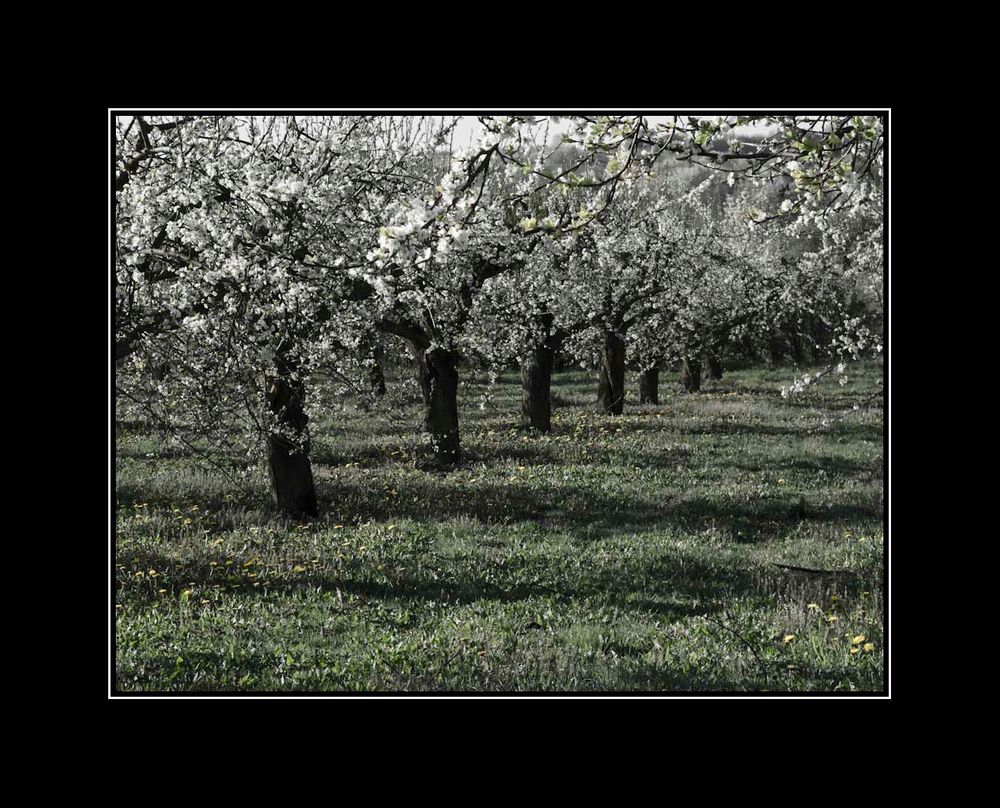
(649, 386)
(536, 389)
(714, 369)
(611, 387)
(691, 374)
(437, 372)
(288, 447)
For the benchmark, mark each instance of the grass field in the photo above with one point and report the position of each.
(633, 553)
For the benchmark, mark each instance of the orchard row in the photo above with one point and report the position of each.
(254, 254)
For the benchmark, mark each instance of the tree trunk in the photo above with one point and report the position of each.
(820, 340)
(691, 374)
(714, 366)
(376, 375)
(795, 343)
(649, 386)
(437, 371)
(536, 389)
(773, 350)
(611, 388)
(288, 448)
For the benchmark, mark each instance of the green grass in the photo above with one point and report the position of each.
(629, 553)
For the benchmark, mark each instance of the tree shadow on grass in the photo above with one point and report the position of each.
(842, 429)
(584, 511)
(217, 498)
(833, 465)
(587, 512)
(664, 584)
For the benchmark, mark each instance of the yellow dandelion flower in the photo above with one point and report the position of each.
(869, 646)
(298, 568)
(161, 591)
(832, 618)
(788, 638)
(854, 650)
(812, 605)
(858, 640)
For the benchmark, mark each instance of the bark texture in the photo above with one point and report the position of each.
(288, 447)
(611, 387)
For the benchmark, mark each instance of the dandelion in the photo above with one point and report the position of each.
(868, 646)
(855, 650)
(812, 605)
(858, 640)
(788, 638)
